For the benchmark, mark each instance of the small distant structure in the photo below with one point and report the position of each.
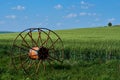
(109, 24)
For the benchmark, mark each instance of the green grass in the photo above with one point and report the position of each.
(90, 54)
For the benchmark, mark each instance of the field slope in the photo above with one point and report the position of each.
(90, 54)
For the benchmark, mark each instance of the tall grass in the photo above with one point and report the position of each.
(90, 54)
(92, 43)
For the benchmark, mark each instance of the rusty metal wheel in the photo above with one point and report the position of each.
(35, 48)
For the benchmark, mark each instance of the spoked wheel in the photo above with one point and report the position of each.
(35, 48)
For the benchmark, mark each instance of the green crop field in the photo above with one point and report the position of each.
(90, 54)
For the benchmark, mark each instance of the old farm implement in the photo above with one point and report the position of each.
(35, 48)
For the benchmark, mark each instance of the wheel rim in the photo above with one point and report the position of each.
(34, 47)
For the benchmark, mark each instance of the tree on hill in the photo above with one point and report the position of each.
(109, 24)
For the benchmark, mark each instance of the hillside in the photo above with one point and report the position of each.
(90, 54)
(102, 32)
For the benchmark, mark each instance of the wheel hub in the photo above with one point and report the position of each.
(38, 53)
(42, 53)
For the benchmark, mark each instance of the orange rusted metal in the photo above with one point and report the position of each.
(33, 54)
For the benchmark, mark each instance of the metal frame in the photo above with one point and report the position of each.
(50, 50)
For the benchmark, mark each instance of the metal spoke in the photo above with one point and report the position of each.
(53, 51)
(39, 36)
(50, 57)
(37, 68)
(20, 47)
(26, 62)
(17, 56)
(18, 66)
(30, 65)
(54, 43)
(28, 47)
(45, 42)
(49, 61)
(30, 35)
(48, 38)
(33, 41)
(25, 41)
(43, 65)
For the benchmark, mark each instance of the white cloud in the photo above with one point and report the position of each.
(85, 5)
(18, 7)
(87, 14)
(58, 7)
(71, 15)
(11, 16)
(92, 14)
(111, 19)
(82, 2)
(83, 13)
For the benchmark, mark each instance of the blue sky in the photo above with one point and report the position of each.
(17, 15)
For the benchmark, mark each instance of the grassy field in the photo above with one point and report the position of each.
(90, 54)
